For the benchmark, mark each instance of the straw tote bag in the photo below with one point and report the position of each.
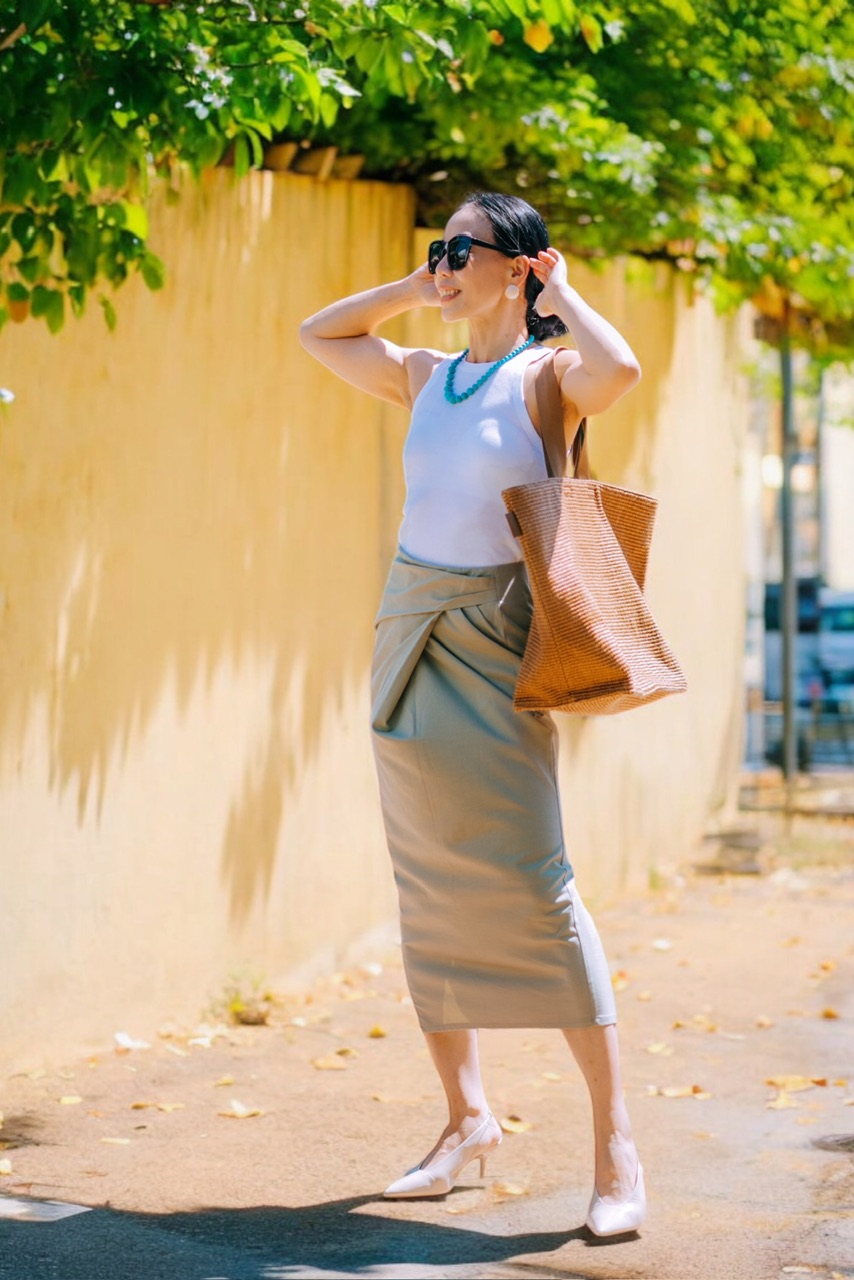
(594, 647)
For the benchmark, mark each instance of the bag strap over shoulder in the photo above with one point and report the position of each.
(550, 405)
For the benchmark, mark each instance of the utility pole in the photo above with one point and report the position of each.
(789, 601)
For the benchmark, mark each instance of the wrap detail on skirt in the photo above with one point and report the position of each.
(494, 932)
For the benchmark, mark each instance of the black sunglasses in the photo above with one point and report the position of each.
(458, 249)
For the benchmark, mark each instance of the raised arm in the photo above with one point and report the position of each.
(603, 367)
(342, 337)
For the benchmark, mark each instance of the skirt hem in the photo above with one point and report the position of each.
(603, 1020)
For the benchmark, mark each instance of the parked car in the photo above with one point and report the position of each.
(836, 644)
(808, 677)
(824, 646)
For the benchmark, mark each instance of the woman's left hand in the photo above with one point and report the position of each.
(549, 267)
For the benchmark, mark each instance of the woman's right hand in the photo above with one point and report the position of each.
(423, 286)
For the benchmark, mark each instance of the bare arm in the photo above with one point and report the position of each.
(604, 366)
(342, 337)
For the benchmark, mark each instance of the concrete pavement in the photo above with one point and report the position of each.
(258, 1152)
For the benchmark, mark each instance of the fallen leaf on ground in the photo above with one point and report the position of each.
(223, 1081)
(795, 1084)
(829, 1013)
(763, 1023)
(159, 1106)
(240, 1112)
(5, 1167)
(848, 1102)
(515, 1124)
(504, 1190)
(126, 1043)
(781, 1101)
(620, 980)
(838, 1084)
(660, 1047)
(682, 1091)
(406, 1102)
(346, 1052)
(116, 1142)
(644, 995)
(177, 1050)
(299, 1022)
(204, 1035)
(377, 1032)
(70, 1099)
(332, 1062)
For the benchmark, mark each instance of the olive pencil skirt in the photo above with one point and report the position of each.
(494, 932)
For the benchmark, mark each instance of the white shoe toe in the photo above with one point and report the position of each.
(606, 1218)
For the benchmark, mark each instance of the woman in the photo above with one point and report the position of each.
(494, 932)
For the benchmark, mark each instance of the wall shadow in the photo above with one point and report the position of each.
(189, 514)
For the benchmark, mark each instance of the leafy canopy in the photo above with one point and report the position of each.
(715, 133)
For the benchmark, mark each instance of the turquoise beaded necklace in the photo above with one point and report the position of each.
(451, 395)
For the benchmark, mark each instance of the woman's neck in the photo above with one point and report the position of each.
(489, 341)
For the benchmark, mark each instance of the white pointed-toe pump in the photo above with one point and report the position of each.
(613, 1218)
(438, 1178)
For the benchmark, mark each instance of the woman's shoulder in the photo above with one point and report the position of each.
(420, 364)
(565, 358)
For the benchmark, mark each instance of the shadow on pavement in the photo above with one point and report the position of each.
(265, 1243)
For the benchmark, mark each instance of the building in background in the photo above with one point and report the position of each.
(822, 482)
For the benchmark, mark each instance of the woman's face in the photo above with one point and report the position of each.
(478, 287)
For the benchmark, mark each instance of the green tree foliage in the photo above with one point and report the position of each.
(716, 133)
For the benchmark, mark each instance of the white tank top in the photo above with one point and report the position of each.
(458, 457)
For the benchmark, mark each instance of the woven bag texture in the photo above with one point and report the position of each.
(594, 647)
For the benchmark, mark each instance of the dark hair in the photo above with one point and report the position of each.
(515, 224)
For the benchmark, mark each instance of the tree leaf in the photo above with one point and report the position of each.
(153, 271)
(136, 219)
(109, 314)
(55, 313)
(241, 155)
(33, 13)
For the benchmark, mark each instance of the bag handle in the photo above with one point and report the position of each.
(550, 405)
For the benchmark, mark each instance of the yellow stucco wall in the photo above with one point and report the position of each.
(195, 525)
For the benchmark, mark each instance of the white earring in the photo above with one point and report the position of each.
(512, 292)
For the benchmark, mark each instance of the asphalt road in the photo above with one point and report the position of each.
(240, 1154)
